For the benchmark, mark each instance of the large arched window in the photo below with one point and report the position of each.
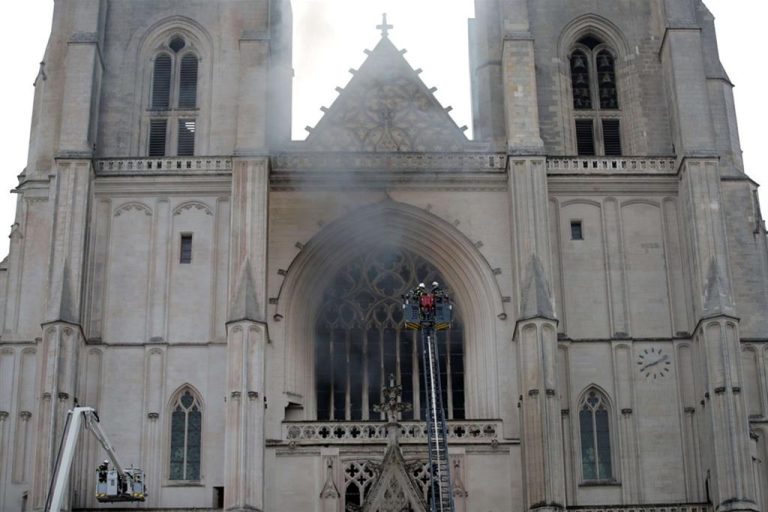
(186, 436)
(360, 340)
(595, 435)
(595, 98)
(172, 109)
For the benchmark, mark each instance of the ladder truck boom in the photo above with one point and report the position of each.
(117, 484)
(430, 311)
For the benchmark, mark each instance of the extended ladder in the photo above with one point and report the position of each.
(429, 312)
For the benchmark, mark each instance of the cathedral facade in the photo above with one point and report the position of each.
(228, 299)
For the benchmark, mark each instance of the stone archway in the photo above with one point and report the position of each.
(391, 224)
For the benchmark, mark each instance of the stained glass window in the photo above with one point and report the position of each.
(360, 340)
(186, 430)
(594, 424)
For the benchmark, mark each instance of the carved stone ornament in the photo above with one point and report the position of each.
(329, 488)
(394, 489)
(386, 108)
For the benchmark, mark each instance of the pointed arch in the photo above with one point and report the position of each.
(597, 109)
(173, 90)
(185, 426)
(389, 224)
(595, 435)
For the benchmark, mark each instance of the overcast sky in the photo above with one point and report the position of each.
(330, 36)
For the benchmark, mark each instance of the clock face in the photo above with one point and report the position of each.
(654, 363)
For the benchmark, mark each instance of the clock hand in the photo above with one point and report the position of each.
(654, 363)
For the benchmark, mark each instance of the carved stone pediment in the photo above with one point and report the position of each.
(394, 489)
(386, 108)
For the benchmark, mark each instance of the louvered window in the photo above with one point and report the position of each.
(157, 131)
(585, 137)
(186, 143)
(188, 82)
(612, 137)
(595, 98)
(173, 101)
(161, 82)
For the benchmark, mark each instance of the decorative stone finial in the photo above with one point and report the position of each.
(392, 405)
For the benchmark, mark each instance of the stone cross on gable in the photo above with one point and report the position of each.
(384, 27)
(392, 406)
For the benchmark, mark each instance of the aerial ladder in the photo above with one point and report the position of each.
(430, 311)
(112, 485)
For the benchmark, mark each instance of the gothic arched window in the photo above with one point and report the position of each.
(595, 98)
(173, 99)
(594, 427)
(186, 436)
(360, 340)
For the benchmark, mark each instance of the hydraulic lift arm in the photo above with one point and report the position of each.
(128, 484)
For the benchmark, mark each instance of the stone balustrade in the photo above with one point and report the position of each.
(677, 507)
(611, 165)
(371, 432)
(165, 165)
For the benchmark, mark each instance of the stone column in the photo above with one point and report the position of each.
(58, 367)
(542, 436)
(536, 327)
(247, 338)
(725, 450)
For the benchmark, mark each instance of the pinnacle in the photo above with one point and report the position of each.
(537, 298)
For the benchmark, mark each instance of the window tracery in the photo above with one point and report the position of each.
(186, 437)
(360, 340)
(173, 100)
(594, 91)
(594, 426)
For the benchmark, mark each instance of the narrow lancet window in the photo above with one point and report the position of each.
(186, 437)
(594, 425)
(580, 81)
(161, 82)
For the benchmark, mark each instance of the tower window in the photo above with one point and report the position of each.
(172, 109)
(576, 230)
(157, 134)
(595, 98)
(585, 137)
(186, 249)
(611, 137)
(161, 82)
(186, 143)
